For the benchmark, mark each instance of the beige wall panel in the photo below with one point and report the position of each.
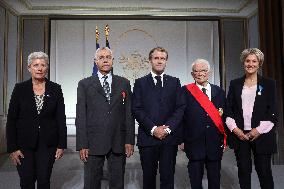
(73, 45)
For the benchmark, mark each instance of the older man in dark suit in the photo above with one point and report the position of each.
(204, 135)
(156, 108)
(104, 123)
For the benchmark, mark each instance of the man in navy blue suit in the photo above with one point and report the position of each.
(156, 108)
(204, 135)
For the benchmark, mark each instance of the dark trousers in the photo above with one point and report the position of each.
(196, 171)
(36, 166)
(262, 164)
(93, 171)
(163, 156)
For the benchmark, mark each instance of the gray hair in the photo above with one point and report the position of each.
(254, 51)
(37, 55)
(102, 48)
(200, 60)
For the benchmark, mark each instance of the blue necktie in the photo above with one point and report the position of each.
(159, 81)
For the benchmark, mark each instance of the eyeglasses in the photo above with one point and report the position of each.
(200, 71)
(105, 57)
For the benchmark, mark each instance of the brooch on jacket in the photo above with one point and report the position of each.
(221, 111)
(260, 88)
(123, 94)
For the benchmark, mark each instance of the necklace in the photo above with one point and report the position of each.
(250, 80)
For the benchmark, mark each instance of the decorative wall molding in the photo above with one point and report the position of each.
(241, 8)
(30, 6)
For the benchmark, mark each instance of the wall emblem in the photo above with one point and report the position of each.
(134, 65)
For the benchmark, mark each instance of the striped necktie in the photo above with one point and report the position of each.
(106, 88)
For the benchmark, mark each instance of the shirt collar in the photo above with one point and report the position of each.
(153, 75)
(100, 75)
(207, 87)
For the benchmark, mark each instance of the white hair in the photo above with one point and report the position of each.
(200, 60)
(37, 55)
(102, 48)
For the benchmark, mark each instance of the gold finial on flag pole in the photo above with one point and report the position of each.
(97, 34)
(107, 31)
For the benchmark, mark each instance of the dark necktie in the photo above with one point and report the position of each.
(106, 88)
(159, 81)
(204, 91)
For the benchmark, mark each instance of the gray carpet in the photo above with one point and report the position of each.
(68, 172)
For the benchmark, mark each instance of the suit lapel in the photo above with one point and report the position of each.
(258, 96)
(48, 94)
(165, 85)
(238, 93)
(114, 90)
(96, 85)
(213, 92)
(150, 80)
(31, 96)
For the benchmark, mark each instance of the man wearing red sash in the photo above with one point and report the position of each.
(204, 135)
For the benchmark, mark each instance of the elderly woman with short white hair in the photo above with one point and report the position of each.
(36, 125)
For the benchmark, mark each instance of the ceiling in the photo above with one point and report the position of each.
(226, 8)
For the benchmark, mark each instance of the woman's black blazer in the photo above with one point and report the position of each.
(23, 121)
(264, 110)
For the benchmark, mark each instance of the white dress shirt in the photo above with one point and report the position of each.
(168, 130)
(109, 79)
(208, 89)
(155, 80)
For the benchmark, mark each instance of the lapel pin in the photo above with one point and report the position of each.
(260, 88)
(221, 111)
(123, 96)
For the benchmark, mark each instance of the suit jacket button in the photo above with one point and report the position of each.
(207, 114)
(207, 126)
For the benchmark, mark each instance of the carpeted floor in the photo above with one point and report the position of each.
(68, 172)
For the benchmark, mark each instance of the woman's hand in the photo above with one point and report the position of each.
(253, 134)
(59, 154)
(15, 157)
(240, 134)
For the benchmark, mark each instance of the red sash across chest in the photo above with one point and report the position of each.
(209, 107)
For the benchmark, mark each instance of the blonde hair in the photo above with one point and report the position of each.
(254, 51)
